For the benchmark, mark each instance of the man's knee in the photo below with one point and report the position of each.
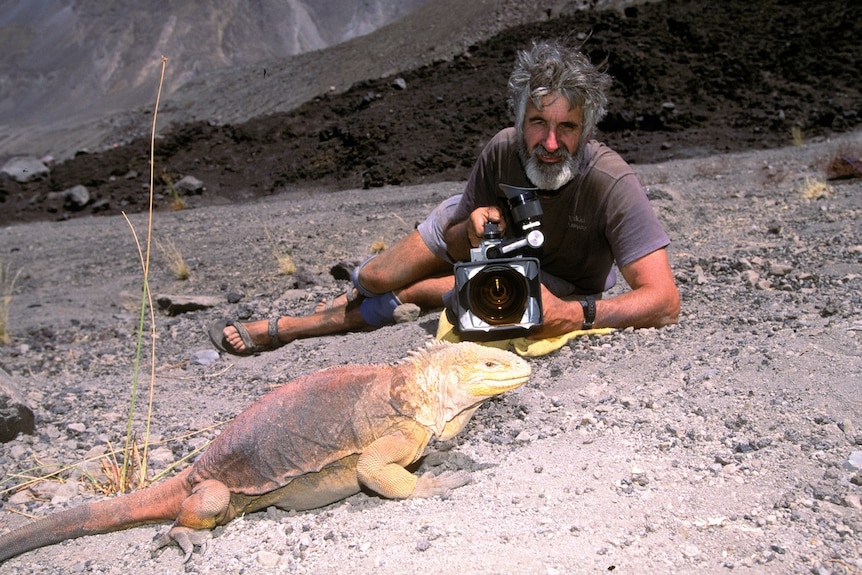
(373, 277)
(406, 262)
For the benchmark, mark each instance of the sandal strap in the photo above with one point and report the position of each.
(243, 335)
(272, 330)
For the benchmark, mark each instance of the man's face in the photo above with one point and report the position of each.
(551, 147)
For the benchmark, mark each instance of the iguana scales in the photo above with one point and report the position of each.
(310, 442)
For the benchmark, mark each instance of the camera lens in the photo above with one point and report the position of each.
(498, 295)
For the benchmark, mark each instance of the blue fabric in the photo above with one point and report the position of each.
(379, 310)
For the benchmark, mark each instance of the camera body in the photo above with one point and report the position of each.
(498, 292)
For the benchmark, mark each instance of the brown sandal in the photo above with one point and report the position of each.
(216, 333)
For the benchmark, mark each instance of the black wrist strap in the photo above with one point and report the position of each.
(589, 305)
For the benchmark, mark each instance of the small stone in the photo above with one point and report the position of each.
(21, 497)
(690, 551)
(189, 185)
(65, 491)
(204, 357)
(161, 456)
(77, 427)
(268, 559)
(76, 198)
(406, 312)
(750, 278)
(18, 451)
(177, 304)
(854, 461)
(780, 269)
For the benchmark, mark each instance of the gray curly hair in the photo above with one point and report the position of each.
(550, 67)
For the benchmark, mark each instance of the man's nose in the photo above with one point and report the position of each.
(551, 144)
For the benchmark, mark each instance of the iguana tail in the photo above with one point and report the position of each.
(154, 504)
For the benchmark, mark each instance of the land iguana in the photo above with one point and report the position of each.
(308, 443)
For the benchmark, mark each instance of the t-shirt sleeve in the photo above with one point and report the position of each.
(631, 226)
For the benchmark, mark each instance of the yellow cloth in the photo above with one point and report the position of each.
(520, 345)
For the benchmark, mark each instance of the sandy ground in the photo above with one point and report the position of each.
(717, 445)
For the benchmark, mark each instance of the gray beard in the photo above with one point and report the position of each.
(551, 176)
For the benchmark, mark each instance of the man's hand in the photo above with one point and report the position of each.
(467, 234)
(481, 216)
(559, 316)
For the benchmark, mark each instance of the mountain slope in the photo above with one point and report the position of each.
(67, 62)
(686, 85)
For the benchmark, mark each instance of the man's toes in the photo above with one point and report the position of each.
(232, 337)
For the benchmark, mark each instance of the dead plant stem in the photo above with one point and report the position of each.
(146, 298)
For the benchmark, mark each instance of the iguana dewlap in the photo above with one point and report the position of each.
(308, 443)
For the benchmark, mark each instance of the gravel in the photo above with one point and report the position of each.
(727, 443)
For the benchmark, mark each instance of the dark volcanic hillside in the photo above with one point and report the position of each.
(691, 78)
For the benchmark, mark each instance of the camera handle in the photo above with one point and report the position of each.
(533, 239)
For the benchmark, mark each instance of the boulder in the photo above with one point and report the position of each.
(15, 416)
(23, 169)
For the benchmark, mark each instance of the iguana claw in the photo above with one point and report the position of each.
(185, 537)
(429, 485)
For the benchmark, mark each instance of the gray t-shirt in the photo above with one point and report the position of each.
(602, 216)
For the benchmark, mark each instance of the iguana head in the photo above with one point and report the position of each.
(458, 377)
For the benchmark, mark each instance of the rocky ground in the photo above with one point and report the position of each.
(721, 444)
(726, 443)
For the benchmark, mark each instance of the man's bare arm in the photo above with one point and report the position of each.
(652, 302)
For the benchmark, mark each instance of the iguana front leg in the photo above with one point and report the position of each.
(381, 467)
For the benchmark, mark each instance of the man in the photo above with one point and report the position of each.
(595, 214)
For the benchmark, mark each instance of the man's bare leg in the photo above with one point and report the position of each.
(397, 269)
(403, 264)
(338, 319)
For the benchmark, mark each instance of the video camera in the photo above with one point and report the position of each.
(499, 290)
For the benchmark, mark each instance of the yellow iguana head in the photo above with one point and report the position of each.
(458, 377)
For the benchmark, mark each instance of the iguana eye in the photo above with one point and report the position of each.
(491, 364)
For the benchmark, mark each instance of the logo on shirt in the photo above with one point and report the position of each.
(577, 222)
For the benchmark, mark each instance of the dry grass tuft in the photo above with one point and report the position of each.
(796, 135)
(286, 265)
(116, 477)
(175, 260)
(814, 189)
(7, 285)
(178, 204)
